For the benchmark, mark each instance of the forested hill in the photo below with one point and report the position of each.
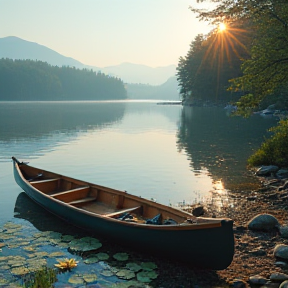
(22, 80)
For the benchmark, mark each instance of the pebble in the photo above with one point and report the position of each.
(281, 251)
(278, 277)
(284, 284)
(257, 280)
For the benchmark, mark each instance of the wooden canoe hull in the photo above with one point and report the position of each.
(202, 247)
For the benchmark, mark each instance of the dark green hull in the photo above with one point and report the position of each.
(208, 248)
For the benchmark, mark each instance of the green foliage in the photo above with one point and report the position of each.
(274, 150)
(35, 80)
(265, 73)
(44, 278)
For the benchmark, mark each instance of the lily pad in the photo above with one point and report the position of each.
(19, 271)
(67, 238)
(84, 245)
(102, 256)
(133, 267)
(90, 278)
(76, 279)
(121, 256)
(125, 274)
(146, 276)
(107, 273)
(148, 266)
(91, 260)
(56, 254)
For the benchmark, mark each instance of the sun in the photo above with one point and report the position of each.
(222, 27)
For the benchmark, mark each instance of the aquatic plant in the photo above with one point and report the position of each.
(43, 278)
(67, 264)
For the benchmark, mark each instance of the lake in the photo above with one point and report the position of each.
(166, 152)
(175, 155)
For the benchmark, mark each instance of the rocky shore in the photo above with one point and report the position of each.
(261, 241)
(261, 237)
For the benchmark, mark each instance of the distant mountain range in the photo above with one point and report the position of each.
(16, 48)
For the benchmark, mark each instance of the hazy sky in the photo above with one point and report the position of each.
(105, 32)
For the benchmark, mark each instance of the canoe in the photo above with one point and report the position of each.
(204, 243)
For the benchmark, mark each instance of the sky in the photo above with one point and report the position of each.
(106, 32)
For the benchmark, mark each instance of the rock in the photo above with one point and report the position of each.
(284, 231)
(263, 222)
(198, 211)
(238, 283)
(257, 280)
(281, 264)
(278, 277)
(267, 170)
(284, 284)
(282, 173)
(281, 251)
(270, 284)
(258, 252)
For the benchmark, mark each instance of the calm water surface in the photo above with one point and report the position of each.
(166, 152)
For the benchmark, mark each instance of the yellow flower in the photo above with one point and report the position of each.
(67, 264)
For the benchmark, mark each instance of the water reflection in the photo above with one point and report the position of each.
(221, 144)
(49, 123)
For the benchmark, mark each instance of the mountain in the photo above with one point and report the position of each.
(135, 73)
(17, 48)
(166, 91)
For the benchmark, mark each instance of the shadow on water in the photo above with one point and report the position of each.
(170, 273)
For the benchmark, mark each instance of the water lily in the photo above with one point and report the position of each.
(67, 264)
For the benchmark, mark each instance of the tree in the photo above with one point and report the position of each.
(266, 71)
(211, 62)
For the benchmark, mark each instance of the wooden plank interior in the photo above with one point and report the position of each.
(73, 194)
(46, 186)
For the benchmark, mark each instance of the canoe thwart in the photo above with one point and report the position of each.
(55, 195)
(82, 201)
(117, 213)
(44, 181)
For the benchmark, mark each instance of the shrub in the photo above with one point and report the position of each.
(274, 151)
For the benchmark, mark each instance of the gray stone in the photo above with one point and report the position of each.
(267, 170)
(270, 284)
(264, 222)
(278, 277)
(284, 231)
(238, 283)
(198, 211)
(284, 284)
(282, 173)
(281, 264)
(281, 251)
(257, 280)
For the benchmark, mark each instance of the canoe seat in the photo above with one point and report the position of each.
(82, 201)
(45, 181)
(117, 213)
